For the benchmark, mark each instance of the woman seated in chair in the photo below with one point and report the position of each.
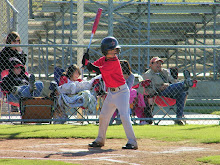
(18, 84)
(9, 52)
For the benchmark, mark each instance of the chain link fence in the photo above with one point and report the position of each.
(183, 33)
(9, 19)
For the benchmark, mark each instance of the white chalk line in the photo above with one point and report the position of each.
(183, 149)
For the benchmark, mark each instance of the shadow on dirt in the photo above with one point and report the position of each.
(84, 152)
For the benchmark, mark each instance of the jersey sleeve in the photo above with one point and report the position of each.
(63, 80)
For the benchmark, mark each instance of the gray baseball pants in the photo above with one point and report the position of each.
(120, 100)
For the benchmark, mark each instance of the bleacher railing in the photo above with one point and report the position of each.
(184, 33)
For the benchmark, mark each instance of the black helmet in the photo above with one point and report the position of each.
(109, 43)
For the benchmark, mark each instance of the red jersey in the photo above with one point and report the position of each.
(111, 71)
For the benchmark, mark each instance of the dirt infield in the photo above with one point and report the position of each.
(77, 151)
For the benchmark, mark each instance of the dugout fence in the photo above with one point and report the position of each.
(185, 34)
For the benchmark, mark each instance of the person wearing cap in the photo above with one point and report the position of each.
(18, 84)
(9, 52)
(164, 84)
(118, 92)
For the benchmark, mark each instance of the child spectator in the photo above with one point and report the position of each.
(18, 84)
(69, 86)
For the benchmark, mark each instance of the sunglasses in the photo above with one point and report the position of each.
(20, 67)
(17, 41)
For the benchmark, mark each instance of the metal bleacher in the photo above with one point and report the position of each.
(170, 24)
(167, 23)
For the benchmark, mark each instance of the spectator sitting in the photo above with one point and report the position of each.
(72, 74)
(18, 84)
(127, 73)
(9, 52)
(70, 85)
(165, 85)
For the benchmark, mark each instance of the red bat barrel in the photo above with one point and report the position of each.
(97, 18)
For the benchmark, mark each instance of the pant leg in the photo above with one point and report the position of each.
(122, 103)
(180, 101)
(178, 92)
(139, 112)
(106, 113)
(24, 91)
(39, 88)
(147, 109)
(13, 98)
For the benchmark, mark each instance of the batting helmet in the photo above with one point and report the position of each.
(109, 43)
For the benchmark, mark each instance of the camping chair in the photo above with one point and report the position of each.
(161, 101)
(4, 97)
(33, 108)
(137, 100)
(67, 110)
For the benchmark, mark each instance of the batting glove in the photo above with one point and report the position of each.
(85, 59)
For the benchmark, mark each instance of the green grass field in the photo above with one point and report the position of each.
(191, 133)
(194, 133)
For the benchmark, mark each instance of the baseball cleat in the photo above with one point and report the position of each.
(15, 90)
(32, 81)
(130, 146)
(95, 144)
(188, 81)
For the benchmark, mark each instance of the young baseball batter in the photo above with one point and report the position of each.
(118, 92)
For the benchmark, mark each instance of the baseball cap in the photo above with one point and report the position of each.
(18, 65)
(15, 62)
(155, 59)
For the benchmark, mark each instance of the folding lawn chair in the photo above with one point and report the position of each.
(77, 106)
(33, 108)
(137, 100)
(4, 97)
(161, 101)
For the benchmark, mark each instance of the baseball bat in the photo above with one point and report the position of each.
(95, 25)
